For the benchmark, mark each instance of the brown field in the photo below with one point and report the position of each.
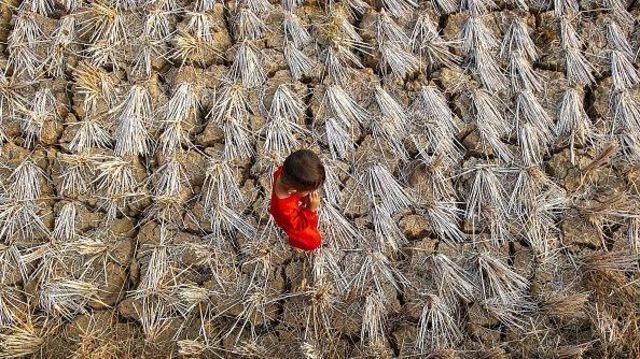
(482, 196)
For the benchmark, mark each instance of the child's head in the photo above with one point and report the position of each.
(302, 172)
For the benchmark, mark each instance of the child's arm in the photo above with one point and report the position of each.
(307, 239)
(300, 218)
(314, 201)
(301, 226)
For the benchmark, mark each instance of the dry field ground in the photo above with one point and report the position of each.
(482, 198)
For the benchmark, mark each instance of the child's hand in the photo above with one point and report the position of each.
(313, 201)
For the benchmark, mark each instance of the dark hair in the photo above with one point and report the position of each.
(303, 171)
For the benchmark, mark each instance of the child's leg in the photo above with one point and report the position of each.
(303, 283)
(304, 258)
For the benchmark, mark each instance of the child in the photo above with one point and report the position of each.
(294, 200)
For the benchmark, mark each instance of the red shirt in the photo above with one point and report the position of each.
(299, 223)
